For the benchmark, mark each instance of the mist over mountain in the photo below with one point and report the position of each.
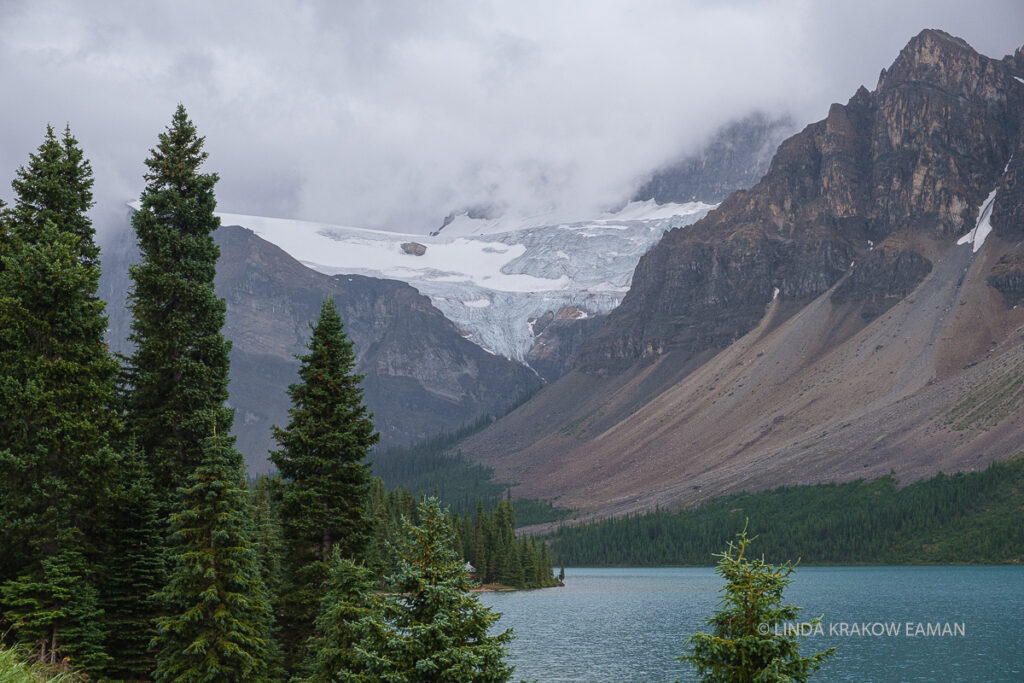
(735, 158)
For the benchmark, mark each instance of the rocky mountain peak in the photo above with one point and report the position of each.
(942, 61)
(913, 160)
(857, 312)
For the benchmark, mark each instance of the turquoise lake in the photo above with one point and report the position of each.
(624, 625)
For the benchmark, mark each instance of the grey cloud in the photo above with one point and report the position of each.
(392, 114)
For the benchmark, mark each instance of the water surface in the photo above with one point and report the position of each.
(623, 625)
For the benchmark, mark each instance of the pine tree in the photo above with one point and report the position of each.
(178, 374)
(743, 646)
(218, 619)
(56, 391)
(133, 569)
(325, 493)
(431, 628)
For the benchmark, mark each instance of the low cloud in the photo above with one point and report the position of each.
(392, 114)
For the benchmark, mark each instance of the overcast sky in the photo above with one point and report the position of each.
(391, 114)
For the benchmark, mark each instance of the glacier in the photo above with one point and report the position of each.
(488, 277)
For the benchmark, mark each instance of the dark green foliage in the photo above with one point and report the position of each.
(54, 607)
(218, 619)
(429, 627)
(489, 543)
(56, 391)
(267, 536)
(325, 483)
(349, 599)
(330, 432)
(134, 569)
(56, 383)
(485, 539)
(975, 517)
(179, 372)
(56, 187)
(743, 646)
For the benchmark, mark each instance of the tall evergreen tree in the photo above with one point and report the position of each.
(325, 492)
(218, 619)
(56, 186)
(179, 372)
(431, 628)
(56, 390)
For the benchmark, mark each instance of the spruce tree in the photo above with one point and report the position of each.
(178, 374)
(430, 628)
(56, 393)
(743, 646)
(55, 609)
(56, 186)
(348, 606)
(218, 621)
(326, 484)
(134, 569)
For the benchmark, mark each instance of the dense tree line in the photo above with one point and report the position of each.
(490, 545)
(485, 539)
(973, 517)
(134, 549)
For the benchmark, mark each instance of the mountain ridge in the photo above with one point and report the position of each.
(817, 327)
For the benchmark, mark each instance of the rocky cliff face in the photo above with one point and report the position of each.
(558, 337)
(422, 377)
(848, 195)
(857, 312)
(734, 158)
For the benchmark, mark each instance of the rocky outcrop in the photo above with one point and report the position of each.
(558, 338)
(734, 159)
(414, 248)
(1007, 276)
(881, 279)
(917, 156)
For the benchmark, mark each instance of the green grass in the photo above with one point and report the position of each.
(16, 667)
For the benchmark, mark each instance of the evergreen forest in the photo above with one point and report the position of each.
(942, 520)
(135, 547)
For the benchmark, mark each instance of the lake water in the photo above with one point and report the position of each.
(622, 625)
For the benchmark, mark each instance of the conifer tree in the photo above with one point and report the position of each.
(56, 609)
(743, 646)
(134, 569)
(431, 628)
(56, 186)
(178, 374)
(56, 390)
(348, 606)
(218, 620)
(326, 484)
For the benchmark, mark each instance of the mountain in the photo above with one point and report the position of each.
(489, 275)
(423, 378)
(853, 313)
(734, 158)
